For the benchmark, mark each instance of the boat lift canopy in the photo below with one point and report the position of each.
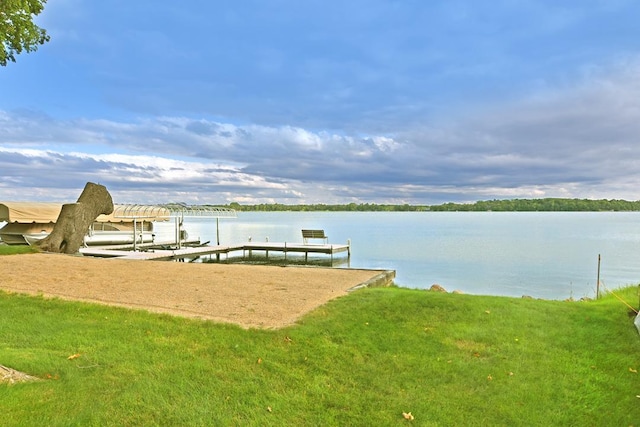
(134, 212)
(183, 210)
(29, 212)
(44, 212)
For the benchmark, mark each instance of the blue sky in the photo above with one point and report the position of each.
(288, 101)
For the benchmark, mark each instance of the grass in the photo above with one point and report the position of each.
(360, 360)
(17, 249)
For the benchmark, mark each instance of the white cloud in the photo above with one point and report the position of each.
(580, 140)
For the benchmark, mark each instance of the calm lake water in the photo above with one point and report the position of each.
(551, 255)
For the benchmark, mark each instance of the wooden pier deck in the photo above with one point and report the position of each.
(328, 249)
(168, 251)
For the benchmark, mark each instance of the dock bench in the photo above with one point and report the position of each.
(314, 234)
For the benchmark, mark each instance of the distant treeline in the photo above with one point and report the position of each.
(549, 205)
(351, 207)
(514, 205)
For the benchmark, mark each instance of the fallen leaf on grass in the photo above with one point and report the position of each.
(408, 416)
(73, 356)
(489, 377)
(269, 409)
(635, 371)
(259, 360)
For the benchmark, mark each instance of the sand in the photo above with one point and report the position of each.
(252, 296)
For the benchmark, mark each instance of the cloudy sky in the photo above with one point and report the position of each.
(326, 101)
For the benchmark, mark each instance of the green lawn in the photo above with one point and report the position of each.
(17, 249)
(362, 360)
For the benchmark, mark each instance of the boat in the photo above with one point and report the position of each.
(101, 234)
(101, 238)
(13, 234)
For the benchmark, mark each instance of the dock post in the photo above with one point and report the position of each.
(218, 237)
(598, 280)
(349, 248)
(285, 250)
(135, 239)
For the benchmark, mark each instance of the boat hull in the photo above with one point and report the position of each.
(100, 238)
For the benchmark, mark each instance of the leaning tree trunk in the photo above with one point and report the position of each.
(75, 218)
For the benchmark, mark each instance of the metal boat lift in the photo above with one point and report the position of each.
(179, 211)
(140, 213)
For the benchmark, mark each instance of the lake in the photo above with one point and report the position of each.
(552, 255)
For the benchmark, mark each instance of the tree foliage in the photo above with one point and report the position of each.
(18, 33)
(512, 205)
(547, 205)
(351, 207)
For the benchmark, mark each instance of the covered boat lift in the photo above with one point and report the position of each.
(26, 218)
(181, 210)
(178, 211)
(40, 218)
(37, 219)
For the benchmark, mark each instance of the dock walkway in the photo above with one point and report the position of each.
(169, 251)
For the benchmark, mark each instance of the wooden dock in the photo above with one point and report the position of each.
(170, 251)
(267, 247)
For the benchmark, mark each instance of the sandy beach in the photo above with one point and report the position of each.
(252, 296)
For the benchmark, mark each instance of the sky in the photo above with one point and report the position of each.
(325, 101)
